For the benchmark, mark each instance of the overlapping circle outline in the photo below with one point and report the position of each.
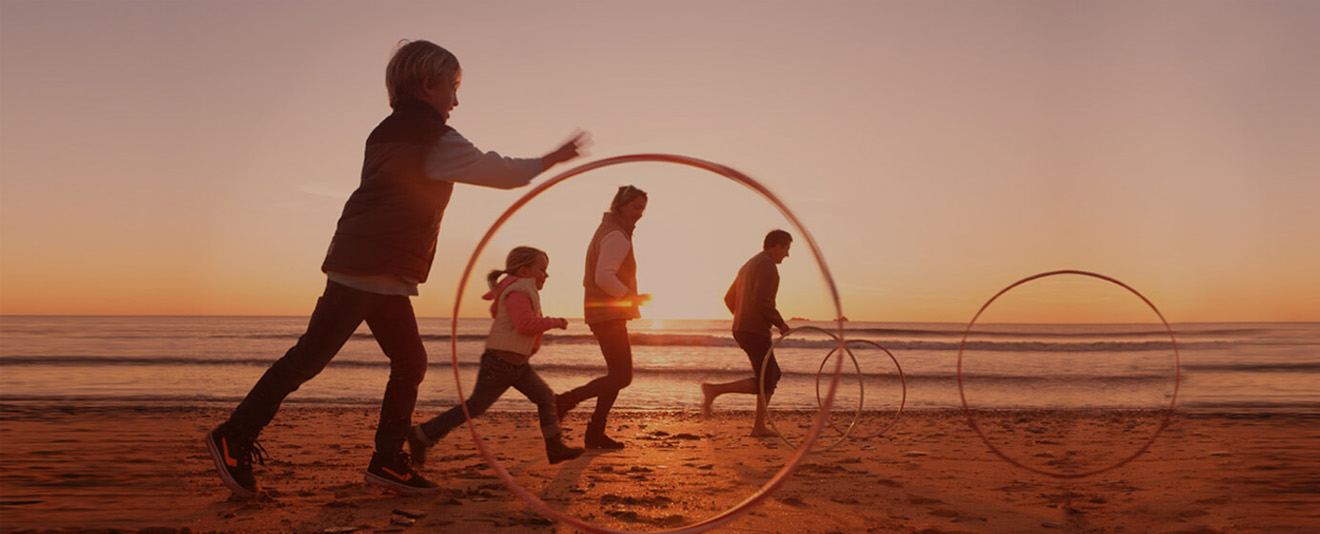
(824, 412)
(861, 402)
(770, 486)
(1164, 422)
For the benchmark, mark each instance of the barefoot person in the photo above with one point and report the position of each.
(381, 252)
(751, 298)
(610, 301)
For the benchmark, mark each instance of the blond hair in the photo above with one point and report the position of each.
(518, 258)
(415, 62)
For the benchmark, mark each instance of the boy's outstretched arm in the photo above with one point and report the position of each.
(572, 149)
(455, 159)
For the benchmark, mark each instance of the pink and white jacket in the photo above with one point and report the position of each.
(516, 307)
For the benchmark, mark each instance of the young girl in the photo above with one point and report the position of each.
(513, 340)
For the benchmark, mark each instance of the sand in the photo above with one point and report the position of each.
(126, 468)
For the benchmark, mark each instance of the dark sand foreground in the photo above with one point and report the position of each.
(124, 468)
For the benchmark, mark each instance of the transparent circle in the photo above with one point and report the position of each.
(825, 407)
(1164, 422)
(902, 382)
(770, 486)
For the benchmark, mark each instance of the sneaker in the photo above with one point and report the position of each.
(233, 454)
(397, 474)
(417, 445)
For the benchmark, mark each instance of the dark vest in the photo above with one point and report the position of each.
(390, 223)
(599, 306)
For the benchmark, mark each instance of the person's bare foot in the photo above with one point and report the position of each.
(762, 432)
(706, 391)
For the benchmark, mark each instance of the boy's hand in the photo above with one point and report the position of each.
(572, 149)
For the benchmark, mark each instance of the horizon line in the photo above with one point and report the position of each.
(579, 319)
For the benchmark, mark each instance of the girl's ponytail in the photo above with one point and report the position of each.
(518, 258)
(493, 277)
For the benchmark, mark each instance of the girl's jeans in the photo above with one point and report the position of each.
(494, 378)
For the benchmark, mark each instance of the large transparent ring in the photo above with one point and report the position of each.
(1164, 422)
(780, 477)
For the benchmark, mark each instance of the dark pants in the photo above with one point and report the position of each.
(757, 345)
(613, 339)
(338, 313)
(495, 377)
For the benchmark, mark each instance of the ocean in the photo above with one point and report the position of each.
(1221, 367)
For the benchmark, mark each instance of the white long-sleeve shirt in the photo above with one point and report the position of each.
(455, 159)
(614, 248)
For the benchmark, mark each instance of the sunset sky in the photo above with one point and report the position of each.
(165, 157)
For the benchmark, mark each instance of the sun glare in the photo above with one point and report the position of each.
(684, 298)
